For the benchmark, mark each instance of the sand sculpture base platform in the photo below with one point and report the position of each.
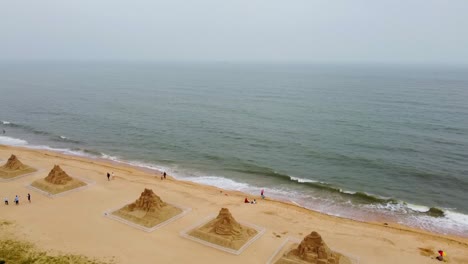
(145, 221)
(6, 175)
(58, 182)
(200, 233)
(53, 190)
(290, 243)
(14, 169)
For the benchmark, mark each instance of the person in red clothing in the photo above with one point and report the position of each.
(441, 255)
(246, 200)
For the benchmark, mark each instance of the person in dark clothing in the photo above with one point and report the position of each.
(108, 176)
(164, 174)
(29, 197)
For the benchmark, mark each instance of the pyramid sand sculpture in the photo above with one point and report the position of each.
(58, 176)
(57, 181)
(14, 167)
(226, 225)
(13, 163)
(312, 249)
(148, 202)
(148, 210)
(225, 231)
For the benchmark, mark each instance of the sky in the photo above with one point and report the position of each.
(306, 31)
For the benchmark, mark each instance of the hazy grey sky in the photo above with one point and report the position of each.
(392, 31)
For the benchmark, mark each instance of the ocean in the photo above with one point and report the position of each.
(366, 142)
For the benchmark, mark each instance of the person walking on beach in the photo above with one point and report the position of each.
(6, 200)
(112, 176)
(164, 174)
(16, 200)
(29, 198)
(108, 176)
(261, 193)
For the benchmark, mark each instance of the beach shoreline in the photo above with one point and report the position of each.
(377, 240)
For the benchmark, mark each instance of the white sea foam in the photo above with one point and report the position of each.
(220, 182)
(20, 142)
(61, 150)
(149, 166)
(418, 208)
(413, 215)
(301, 180)
(136, 163)
(110, 157)
(12, 141)
(457, 218)
(452, 221)
(6, 122)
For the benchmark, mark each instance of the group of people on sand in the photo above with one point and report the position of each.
(246, 200)
(17, 199)
(254, 201)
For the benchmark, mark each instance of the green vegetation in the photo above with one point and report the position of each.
(19, 252)
(435, 212)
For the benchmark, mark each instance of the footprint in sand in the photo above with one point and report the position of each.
(276, 235)
(269, 212)
(427, 252)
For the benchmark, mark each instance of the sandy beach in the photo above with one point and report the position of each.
(75, 223)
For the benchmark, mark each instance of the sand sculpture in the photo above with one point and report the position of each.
(148, 202)
(14, 167)
(13, 163)
(226, 225)
(312, 249)
(225, 231)
(148, 210)
(58, 176)
(57, 181)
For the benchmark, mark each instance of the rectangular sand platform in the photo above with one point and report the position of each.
(42, 187)
(112, 215)
(17, 175)
(289, 243)
(186, 234)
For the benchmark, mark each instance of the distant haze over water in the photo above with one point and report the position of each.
(365, 142)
